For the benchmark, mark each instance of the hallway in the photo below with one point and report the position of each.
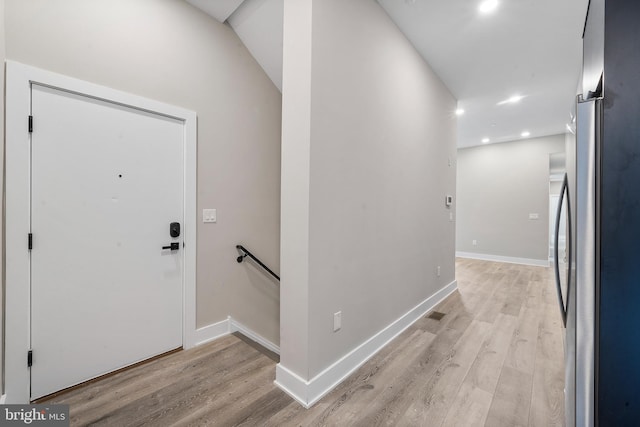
(490, 354)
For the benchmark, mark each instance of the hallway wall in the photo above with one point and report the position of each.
(499, 185)
(369, 137)
(169, 51)
(2, 284)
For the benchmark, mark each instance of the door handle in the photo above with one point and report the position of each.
(173, 246)
(564, 194)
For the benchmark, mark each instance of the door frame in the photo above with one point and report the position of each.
(19, 78)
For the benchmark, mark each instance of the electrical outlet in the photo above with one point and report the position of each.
(337, 321)
(450, 216)
(438, 271)
(475, 243)
(534, 216)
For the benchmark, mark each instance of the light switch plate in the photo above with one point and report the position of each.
(209, 215)
(337, 321)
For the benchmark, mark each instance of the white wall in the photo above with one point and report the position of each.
(169, 51)
(499, 185)
(296, 152)
(259, 24)
(2, 283)
(368, 131)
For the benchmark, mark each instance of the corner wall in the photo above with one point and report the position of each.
(499, 185)
(2, 282)
(169, 51)
(379, 158)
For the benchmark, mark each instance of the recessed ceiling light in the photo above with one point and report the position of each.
(525, 134)
(488, 6)
(485, 140)
(459, 112)
(513, 100)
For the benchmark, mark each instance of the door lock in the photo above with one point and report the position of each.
(174, 246)
(174, 229)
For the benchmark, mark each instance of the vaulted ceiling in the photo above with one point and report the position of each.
(524, 50)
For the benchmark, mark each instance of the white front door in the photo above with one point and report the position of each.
(106, 181)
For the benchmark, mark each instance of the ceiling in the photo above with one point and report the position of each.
(219, 9)
(526, 48)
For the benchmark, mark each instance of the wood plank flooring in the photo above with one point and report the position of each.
(495, 359)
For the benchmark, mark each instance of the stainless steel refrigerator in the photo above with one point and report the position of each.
(599, 288)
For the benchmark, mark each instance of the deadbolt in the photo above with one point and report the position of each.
(174, 229)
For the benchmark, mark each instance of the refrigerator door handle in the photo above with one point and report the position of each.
(564, 193)
(583, 308)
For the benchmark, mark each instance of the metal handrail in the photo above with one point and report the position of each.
(245, 253)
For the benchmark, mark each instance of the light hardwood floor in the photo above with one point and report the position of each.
(495, 359)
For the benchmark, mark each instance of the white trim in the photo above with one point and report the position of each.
(190, 247)
(2, 399)
(235, 326)
(212, 332)
(17, 198)
(307, 393)
(228, 326)
(295, 386)
(508, 259)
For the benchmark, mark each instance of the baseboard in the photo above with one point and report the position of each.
(228, 326)
(294, 386)
(3, 398)
(507, 259)
(235, 326)
(212, 332)
(309, 392)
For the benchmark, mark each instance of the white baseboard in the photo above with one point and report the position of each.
(309, 392)
(212, 332)
(295, 386)
(228, 326)
(508, 259)
(235, 326)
